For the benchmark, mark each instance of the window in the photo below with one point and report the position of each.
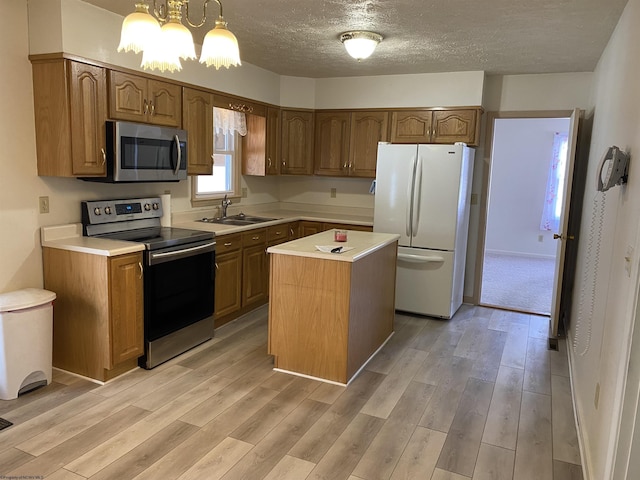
(225, 179)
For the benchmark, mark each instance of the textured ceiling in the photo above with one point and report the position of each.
(300, 37)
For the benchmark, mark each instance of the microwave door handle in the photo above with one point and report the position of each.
(179, 150)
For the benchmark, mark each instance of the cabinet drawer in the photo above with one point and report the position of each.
(278, 232)
(254, 237)
(228, 243)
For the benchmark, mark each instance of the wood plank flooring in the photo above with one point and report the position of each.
(477, 397)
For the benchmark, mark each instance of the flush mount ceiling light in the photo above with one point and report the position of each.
(360, 44)
(163, 47)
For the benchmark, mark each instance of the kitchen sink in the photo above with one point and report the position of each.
(237, 220)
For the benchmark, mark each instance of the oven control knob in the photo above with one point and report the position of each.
(97, 211)
(107, 210)
(156, 206)
(147, 207)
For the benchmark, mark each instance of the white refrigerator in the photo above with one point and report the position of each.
(423, 194)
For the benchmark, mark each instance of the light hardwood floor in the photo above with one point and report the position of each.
(478, 396)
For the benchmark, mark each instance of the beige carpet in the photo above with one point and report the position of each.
(518, 283)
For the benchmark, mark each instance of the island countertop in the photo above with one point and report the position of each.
(358, 245)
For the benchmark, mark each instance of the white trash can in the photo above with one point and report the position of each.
(26, 340)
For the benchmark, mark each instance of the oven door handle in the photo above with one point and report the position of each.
(179, 151)
(178, 254)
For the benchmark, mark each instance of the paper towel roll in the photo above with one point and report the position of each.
(165, 220)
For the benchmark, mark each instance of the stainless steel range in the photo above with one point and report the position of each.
(179, 273)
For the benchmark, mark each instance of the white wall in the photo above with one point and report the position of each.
(428, 89)
(603, 360)
(522, 151)
(557, 91)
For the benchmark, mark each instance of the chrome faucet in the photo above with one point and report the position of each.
(225, 203)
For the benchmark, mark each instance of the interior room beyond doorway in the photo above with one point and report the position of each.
(519, 250)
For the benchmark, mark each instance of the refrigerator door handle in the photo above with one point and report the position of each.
(410, 190)
(417, 186)
(407, 257)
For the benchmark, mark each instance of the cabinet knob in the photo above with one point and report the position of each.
(269, 162)
(227, 244)
(140, 267)
(146, 107)
(153, 109)
(104, 156)
(256, 237)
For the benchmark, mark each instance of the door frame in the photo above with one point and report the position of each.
(490, 119)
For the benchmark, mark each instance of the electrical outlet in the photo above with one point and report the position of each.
(596, 398)
(244, 192)
(333, 193)
(541, 238)
(474, 199)
(43, 202)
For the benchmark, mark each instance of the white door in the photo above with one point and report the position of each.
(437, 201)
(394, 181)
(563, 235)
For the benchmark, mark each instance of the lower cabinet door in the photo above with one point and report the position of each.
(126, 298)
(228, 283)
(254, 275)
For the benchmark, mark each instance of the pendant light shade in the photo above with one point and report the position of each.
(360, 44)
(220, 47)
(137, 28)
(178, 38)
(159, 56)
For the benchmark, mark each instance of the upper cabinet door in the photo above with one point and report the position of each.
(451, 126)
(367, 129)
(197, 116)
(273, 141)
(128, 97)
(411, 126)
(165, 103)
(297, 142)
(137, 99)
(88, 104)
(332, 143)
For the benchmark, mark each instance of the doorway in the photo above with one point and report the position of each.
(519, 251)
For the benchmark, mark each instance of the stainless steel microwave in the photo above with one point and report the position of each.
(137, 152)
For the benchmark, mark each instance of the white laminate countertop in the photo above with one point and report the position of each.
(279, 216)
(363, 244)
(69, 237)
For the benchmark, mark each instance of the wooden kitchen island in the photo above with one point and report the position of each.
(329, 313)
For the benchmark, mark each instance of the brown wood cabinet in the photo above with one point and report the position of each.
(436, 126)
(254, 268)
(346, 143)
(367, 129)
(139, 99)
(306, 228)
(70, 103)
(98, 316)
(261, 145)
(228, 290)
(411, 126)
(450, 126)
(296, 142)
(332, 143)
(197, 120)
